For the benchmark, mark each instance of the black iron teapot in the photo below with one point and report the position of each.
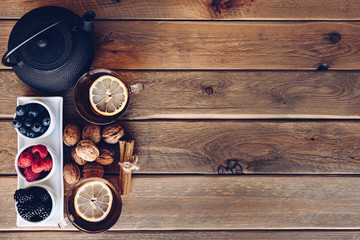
(51, 47)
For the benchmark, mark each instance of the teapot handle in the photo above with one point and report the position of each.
(86, 25)
(8, 53)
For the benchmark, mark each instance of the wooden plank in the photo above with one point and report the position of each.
(198, 9)
(221, 94)
(221, 45)
(197, 235)
(258, 147)
(226, 203)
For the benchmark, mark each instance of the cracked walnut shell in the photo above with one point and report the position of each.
(87, 150)
(76, 158)
(112, 133)
(92, 132)
(71, 134)
(106, 156)
(93, 170)
(71, 173)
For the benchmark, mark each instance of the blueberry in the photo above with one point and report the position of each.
(22, 130)
(41, 109)
(17, 122)
(28, 131)
(33, 113)
(27, 107)
(46, 121)
(31, 134)
(43, 129)
(20, 110)
(27, 122)
(36, 127)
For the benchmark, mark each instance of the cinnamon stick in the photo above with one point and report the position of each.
(122, 151)
(126, 176)
(129, 149)
(126, 156)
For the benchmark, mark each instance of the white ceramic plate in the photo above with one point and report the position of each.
(53, 140)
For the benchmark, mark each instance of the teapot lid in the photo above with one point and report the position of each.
(56, 58)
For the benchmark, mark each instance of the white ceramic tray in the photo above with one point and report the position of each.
(54, 140)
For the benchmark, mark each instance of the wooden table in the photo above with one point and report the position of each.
(227, 83)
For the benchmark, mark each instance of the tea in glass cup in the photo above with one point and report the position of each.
(101, 97)
(93, 205)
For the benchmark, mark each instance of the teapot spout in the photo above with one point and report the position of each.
(86, 22)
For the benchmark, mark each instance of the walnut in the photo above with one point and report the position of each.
(92, 132)
(71, 173)
(76, 158)
(106, 156)
(71, 134)
(87, 150)
(93, 170)
(112, 133)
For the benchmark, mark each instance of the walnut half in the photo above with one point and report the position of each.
(92, 132)
(76, 158)
(106, 156)
(71, 173)
(71, 134)
(112, 133)
(87, 150)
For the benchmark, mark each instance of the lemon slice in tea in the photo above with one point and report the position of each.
(93, 201)
(108, 95)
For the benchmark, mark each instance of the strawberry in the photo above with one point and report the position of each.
(30, 176)
(25, 160)
(41, 150)
(36, 165)
(46, 164)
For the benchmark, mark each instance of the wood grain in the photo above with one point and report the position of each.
(221, 45)
(227, 203)
(258, 147)
(197, 9)
(192, 234)
(221, 94)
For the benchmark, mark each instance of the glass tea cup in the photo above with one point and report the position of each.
(73, 217)
(82, 96)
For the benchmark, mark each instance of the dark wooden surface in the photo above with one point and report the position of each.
(226, 203)
(226, 83)
(198, 9)
(191, 234)
(201, 147)
(222, 94)
(221, 45)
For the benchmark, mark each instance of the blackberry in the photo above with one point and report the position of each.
(21, 208)
(44, 196)
(33, 204)
(40, 193)
(22, 196)
(41, 210)
(37, 208)
(45, 213)
(25, 211)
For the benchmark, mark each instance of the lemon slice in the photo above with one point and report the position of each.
(108, 95)
(93, 201)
